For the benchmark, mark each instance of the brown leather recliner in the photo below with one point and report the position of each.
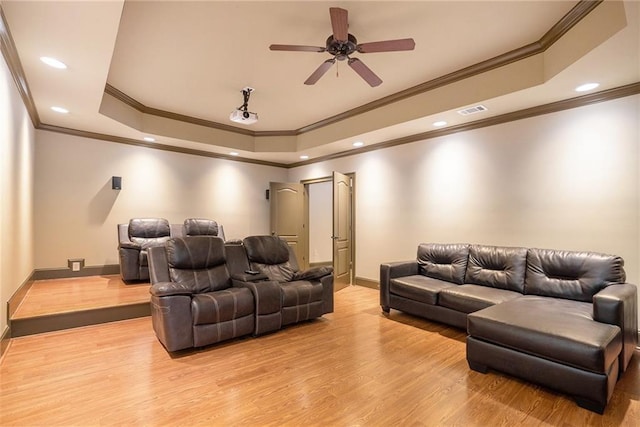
(202, 227)
(303, 295)
(134, 240)
(194, 302)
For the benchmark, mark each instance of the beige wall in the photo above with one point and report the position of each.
(567, 180)
(76, 211)
(16, 191)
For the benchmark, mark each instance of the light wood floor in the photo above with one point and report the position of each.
(352, 367)
(79, 293)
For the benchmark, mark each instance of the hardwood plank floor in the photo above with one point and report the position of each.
(79, 293)
(352, 367)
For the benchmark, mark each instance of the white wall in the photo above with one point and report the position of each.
(16, 191)
(320, 222)
(77, 211)
(567, 180)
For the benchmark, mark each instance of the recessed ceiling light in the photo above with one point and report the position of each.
(149, 138)
(233, 153)
(439, 123)
(53, 62)
(587, 86)
(358, 144)
(60, 110)
(304, 157)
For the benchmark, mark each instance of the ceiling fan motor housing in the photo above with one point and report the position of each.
(341, 50)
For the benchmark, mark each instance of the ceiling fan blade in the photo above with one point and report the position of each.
(339, 23)
(319, 72)
(387, 46)
(364, 72)
(296, 48)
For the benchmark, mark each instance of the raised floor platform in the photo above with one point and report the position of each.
(55, 304)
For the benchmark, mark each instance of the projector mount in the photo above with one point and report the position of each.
(246, 93)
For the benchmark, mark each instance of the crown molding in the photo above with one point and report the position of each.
(554, 107)
(568, 21)
(153, 145)
(10, 54)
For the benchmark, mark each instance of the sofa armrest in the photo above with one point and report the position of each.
(391, 270)
(130, 245)
(172, 321)
(314, 273)
(327, 293)
(617, 305)
(165, 289)
(129, 264)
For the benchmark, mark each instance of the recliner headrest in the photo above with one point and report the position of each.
(200, 227)
(266, 249)
(149, 227)
(195, 252)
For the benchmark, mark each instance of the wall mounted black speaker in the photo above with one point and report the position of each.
(116, 183)
(266, 193)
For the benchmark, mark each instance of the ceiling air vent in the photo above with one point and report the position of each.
(473, 110)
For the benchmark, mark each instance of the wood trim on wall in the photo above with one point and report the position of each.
(16, 299)
(74, 319)
(12, 305)
(5, 340)
(367, 283)
(63, 273)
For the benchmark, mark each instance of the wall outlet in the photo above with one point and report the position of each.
(76, 264)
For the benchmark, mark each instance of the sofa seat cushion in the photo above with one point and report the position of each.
(419, 288)
(555, 329)
(470, 298)
(300, 292)
(221, 306)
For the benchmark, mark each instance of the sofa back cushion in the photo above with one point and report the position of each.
(443, 261)
(198, 262)
(571, 275)
(497, 267)
(270, 255)
(149, 231)
(200, 227)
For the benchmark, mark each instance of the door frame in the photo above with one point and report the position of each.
(306, 183)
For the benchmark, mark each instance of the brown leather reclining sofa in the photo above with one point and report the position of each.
(565, 320)
(204, 290)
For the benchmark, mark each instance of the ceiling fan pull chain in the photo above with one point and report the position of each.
(337, 69)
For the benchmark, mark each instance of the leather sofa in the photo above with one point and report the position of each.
(565, 320)
(140, 234)
(201, 288)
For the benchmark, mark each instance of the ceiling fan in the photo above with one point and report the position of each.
(341, 44)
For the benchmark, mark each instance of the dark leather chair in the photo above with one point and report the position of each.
(134, 240)
(303, 295)
(194, 302)
(202, 227)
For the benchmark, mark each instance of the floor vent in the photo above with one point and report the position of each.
(473, 110)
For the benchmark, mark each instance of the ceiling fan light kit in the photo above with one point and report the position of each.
(242, 114)
(341, 45)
